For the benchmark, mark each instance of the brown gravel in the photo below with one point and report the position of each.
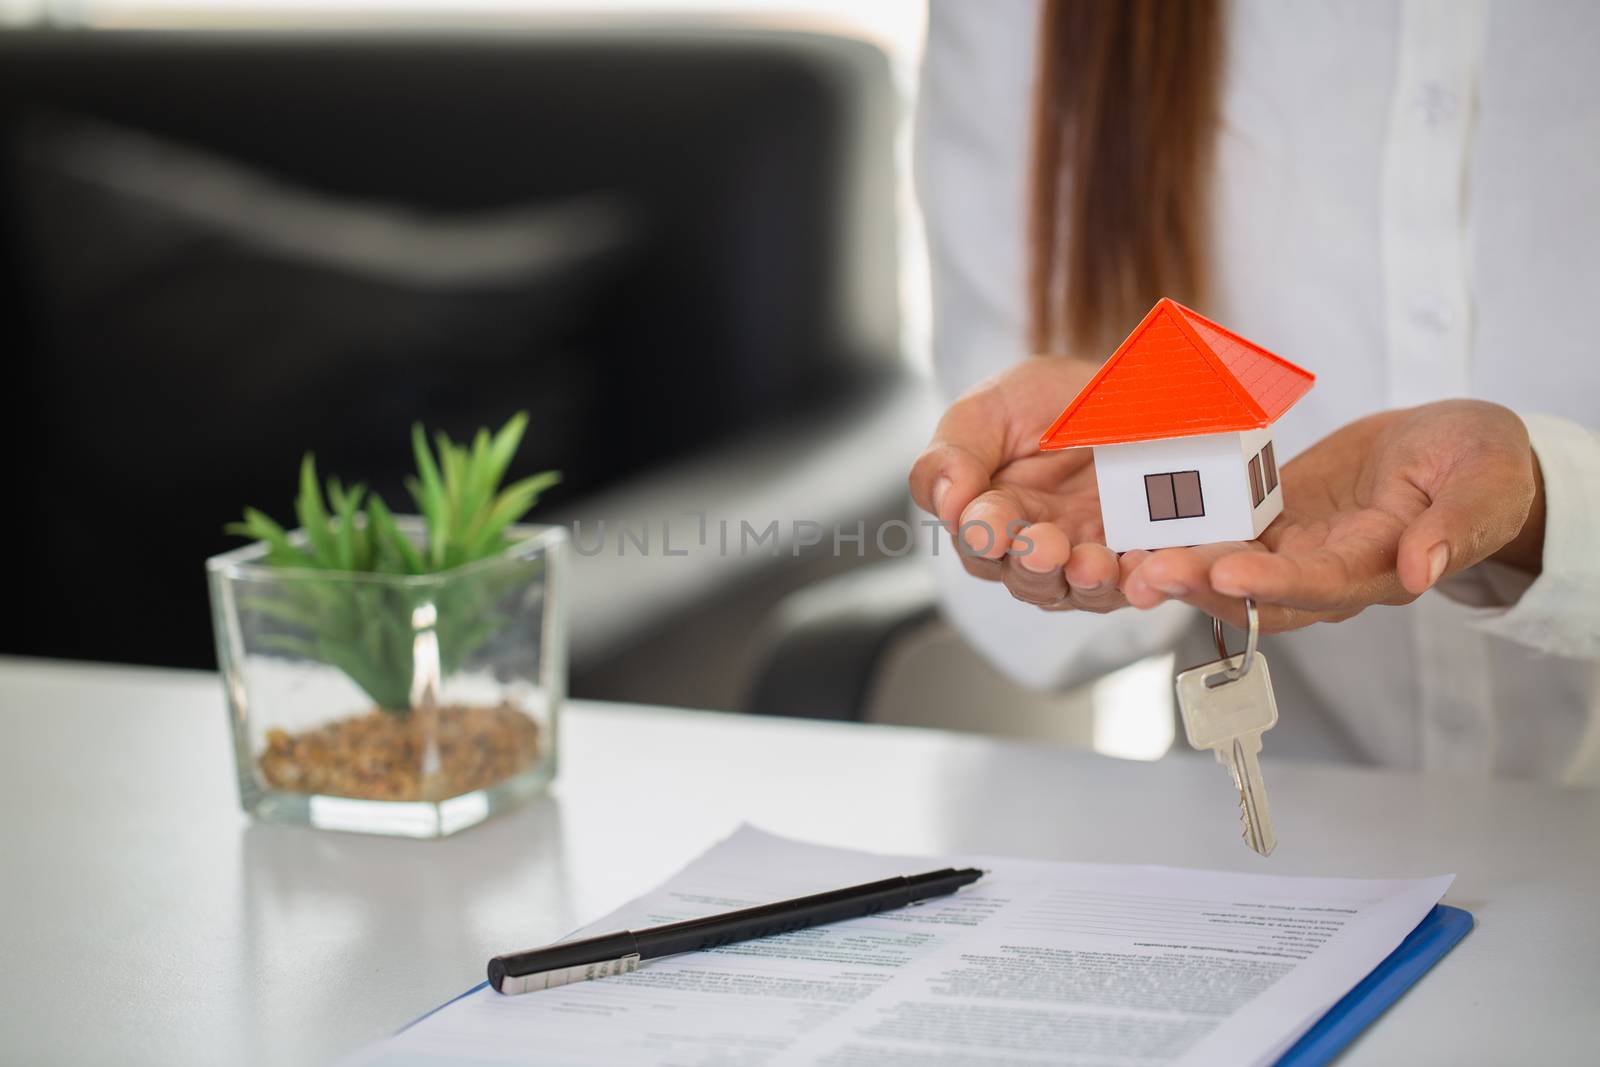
(428, 754)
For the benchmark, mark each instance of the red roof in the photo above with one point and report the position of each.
(1179, 375)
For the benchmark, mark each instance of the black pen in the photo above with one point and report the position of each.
(597, 957)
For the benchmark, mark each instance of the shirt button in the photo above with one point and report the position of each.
(1431, 312)
(1436, 103)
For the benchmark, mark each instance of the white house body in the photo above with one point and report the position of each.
(1188, 490)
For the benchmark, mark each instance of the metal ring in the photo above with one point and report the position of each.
(1252, 638)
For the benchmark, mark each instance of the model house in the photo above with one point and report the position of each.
(1180, 420)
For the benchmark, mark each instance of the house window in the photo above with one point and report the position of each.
(1174, 496)
(1269, 463)
(1257, 494)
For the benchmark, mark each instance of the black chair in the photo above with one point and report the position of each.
(219, 251)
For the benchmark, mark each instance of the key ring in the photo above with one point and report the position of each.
(1252, 637)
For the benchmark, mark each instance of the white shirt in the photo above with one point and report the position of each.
(1407, 204)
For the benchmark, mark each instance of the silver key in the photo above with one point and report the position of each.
(1227, 705)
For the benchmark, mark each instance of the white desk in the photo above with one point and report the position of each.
(143, 919)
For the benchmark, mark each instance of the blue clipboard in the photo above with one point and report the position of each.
(1434, 936)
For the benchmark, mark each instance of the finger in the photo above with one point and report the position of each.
(989, 525)
(1177, 573)
(989, 570)
(945, 479)
(1163, 575)
(968, 446)
(1093, 579)
(1480, 506)
(1099, 599)
(1129, 562)
(1096, 575)
(1272, 618)
(1032, 570)
(1184, 574)
(1320, 579)
(1092, 570)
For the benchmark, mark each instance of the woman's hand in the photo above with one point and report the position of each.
(1027, 518)
(985, 479)
(1374, 513)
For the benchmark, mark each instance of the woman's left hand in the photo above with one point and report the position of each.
(1374, 513)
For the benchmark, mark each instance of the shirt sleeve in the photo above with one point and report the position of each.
(1557, 612)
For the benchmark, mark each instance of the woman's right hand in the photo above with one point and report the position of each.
(1027, 518)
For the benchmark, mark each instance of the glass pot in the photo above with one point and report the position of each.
(415, 705)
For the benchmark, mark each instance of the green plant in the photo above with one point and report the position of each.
(330, 612)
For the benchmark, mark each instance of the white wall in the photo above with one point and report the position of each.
(1222, 460)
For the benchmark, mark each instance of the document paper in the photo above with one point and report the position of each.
(1037, 963)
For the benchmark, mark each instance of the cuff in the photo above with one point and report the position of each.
(1559, 610)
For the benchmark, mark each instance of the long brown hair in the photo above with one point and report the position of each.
(1124, 123)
